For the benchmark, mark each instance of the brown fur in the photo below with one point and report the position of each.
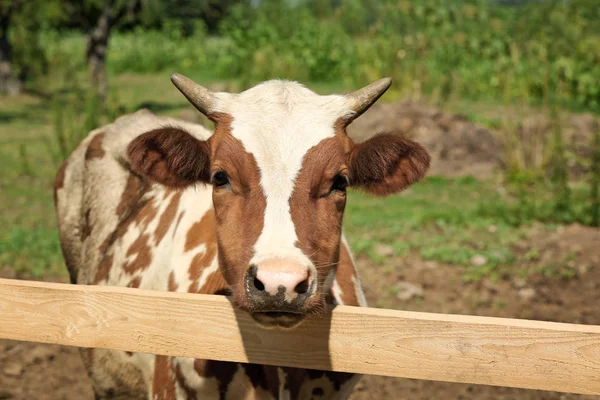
(244, 201)
(135, 282)
(317, 212)
(143, 256)
(86, 229)
(181, 214)
(147, 214)
(59, 181)
(387, 164)
(134, 188)
(163, 384)
(344, 276)
(190, 394)
(215, 284)
(103, 270)
(170, 156)
(202, 232)
(167, 218)
(126, 210)
(173, 286)
(95, 149)
(222, 371)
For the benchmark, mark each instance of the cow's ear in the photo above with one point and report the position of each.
(387, 164)
(170, 156)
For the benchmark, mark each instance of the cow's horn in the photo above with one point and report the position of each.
(362, 99)
(198, 95)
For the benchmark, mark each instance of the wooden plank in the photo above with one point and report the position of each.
(453, 348)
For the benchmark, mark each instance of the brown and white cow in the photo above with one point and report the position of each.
(252, 210)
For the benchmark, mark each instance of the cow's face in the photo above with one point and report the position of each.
(279, 163)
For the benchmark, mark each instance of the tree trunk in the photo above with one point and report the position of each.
(9, 83)
(97, 46)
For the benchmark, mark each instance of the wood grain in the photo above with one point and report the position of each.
(453, 348)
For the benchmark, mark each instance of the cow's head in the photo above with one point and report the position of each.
(279, 163)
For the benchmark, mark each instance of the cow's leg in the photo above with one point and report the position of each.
(114, 374)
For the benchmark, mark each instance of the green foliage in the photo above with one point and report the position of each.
(470, 48)
(149, 51)
(32, 251)
(277, 40)
(24, 163)
(28, 23)
(595, 172)
(560, 171)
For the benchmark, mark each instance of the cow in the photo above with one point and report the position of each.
(252, 210)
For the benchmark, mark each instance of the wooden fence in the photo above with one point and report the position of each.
(452, 348)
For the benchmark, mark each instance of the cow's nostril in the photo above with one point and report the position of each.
(258, 284)
(302, 287)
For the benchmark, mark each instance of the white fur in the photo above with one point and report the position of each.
(278, 122)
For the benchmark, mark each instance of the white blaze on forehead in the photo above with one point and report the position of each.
(278, 122)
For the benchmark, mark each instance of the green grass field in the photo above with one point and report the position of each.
(442, 219)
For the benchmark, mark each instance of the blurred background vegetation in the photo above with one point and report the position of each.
(68, 66)
(539, 50)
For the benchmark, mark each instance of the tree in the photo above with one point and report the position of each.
(98, 18)
(209, 11)
(9, 83)
(22, 23)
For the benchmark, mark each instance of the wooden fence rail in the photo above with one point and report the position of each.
(453, 348)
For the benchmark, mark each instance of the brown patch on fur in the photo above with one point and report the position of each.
(146, 215)
(202, 232)
(163, 382)
(387, 164)
(95, 149)
(190, 394)
(199, 263)
(214, 284)
(135, 187)
(59, 180)
(135, 282)
(317, 211)
(264, 376)
(142, 250)
(86, 228)
(129, 210)
(103, 269)
(178, 221)
(167, 218)
(221, 370)
(173, 286)
(170, 156)
(343, 276)
(239, 209)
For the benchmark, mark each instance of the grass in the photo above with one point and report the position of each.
(440, 219)
(446, 220)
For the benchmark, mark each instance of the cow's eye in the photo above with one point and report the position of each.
(220, 179)
(340, 182)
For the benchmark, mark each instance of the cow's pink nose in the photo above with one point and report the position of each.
(279, 275)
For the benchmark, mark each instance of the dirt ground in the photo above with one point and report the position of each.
(34, 371)
(572, 301)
